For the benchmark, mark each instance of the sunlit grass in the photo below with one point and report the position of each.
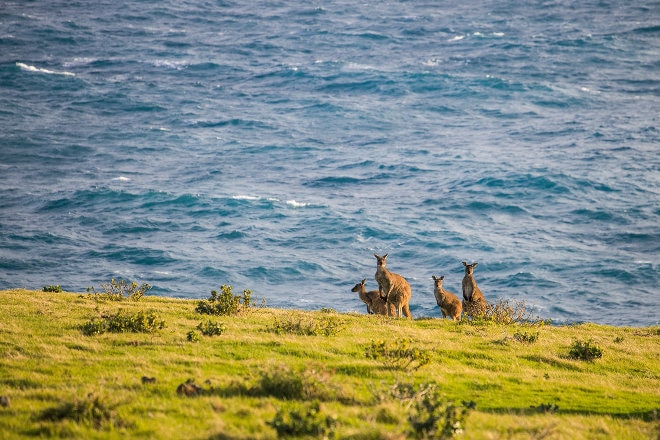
(523, 387)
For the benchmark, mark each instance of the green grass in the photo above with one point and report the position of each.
(58, 382)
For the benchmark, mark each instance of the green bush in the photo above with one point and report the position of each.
(140, 322)
(281, 383)
(585, 350)
(430, 416)
(91, 410)
(526, 338)
(312, 383)
(120, 290)
(505, 311)
(193, 336)
(549, 408)
(398, 354)
(225, 302)
(327, 325)
(304, 420)
(51, 288)
(210, 328)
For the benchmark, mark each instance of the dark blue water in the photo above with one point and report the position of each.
(275, 146)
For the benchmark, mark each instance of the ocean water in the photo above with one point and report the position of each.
(277, 145)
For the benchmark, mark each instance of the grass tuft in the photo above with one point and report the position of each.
(398, 354)
(225, 302)
(585, 350)
(119, 290)
(120, 322)
(297, 324)
(91, 410)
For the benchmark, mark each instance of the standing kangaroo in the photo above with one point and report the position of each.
(474, 302)
(394, 289)
(375, 304)
(449, 303)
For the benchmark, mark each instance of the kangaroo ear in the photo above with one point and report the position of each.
(464, 263)
(434, 278)
(442, 277)
(474, 264)
(385, 256)
(363, 281)
(376, 255)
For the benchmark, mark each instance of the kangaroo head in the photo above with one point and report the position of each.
(381, 260)
(438, 281)
(469, 268)
(358, 287)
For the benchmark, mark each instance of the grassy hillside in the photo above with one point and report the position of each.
(63, 373)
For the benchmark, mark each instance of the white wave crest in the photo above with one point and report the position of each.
(457, 38)
(433, 62)
(295, 204)
(29, 68)
(176, 65)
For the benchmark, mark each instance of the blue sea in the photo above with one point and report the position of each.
(276, 145)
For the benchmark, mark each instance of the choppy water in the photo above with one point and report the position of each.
(276, 145)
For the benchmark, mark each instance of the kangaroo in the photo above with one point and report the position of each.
(449, 303)
(375, 304)
(393, 288)
(474, 302)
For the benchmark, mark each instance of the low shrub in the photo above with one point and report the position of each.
(430, 415)
(193, 336)
(505, 311)
(51, 288)
(304, 420)
(91, 410)
(280, 382)
(585, 350)
(118, 290)
(225, 302)
(210, 328)
(312, 383)
(327, 325)
(549, 408)
(398, 354)
(525, 337)
(140, 322)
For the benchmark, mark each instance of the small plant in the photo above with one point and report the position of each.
(140, 322)
(54, 289)
(398, 354)
(313, 383)
(548, 408)
(193, 336)
(210, 328)
(120, 290)
(430, 416)
(94, 327)
(525, 337)
(304, 420)
(298, 325)
(618, 339)
(225, 302)
(91, 410)
(504, 311)
(280, 382)
(585, 350)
